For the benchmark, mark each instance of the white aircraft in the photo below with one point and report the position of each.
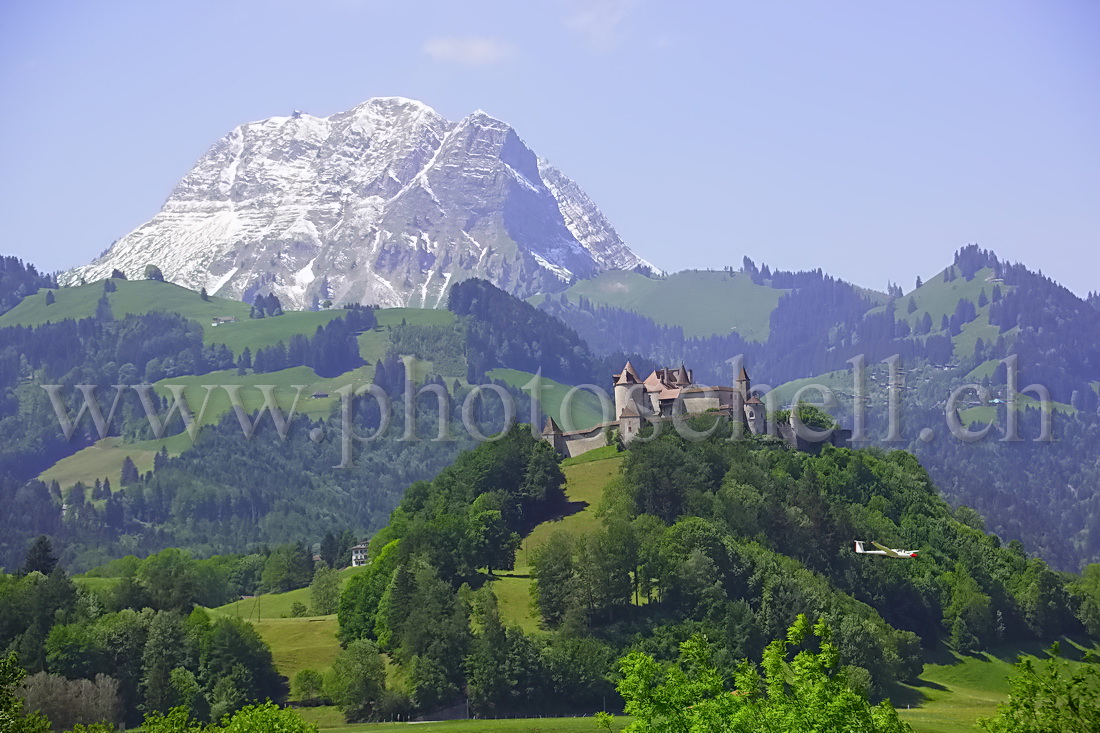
(883, 550)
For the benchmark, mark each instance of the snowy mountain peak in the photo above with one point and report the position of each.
(385, 203)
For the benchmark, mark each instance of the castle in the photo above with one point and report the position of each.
(669, 393)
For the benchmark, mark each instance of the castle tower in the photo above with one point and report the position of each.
(630, 423)
(552, 434)
(683, 378)
(743, 384)
(625, 382)
(754, 415)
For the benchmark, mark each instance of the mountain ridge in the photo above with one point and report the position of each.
(387, 203)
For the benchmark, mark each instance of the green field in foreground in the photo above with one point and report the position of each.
(951, 697)
(955, 689)
(329, 718)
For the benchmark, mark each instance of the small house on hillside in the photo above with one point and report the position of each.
(219, 320)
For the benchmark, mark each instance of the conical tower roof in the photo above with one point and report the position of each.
(627, 375)
(551, 427)
(685, 378)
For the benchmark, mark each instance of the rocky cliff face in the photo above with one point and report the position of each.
(387, 203)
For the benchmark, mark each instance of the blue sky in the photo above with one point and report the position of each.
(871, 139)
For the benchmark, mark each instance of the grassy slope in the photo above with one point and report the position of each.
(296, 643)
(137, 296)
(703, 302)
(585, 407)
(584, 486)
(144, 296)
(270, 606)
(841, 382)
(104, 458)
(255, 333)
(955, 690)
(939, 298)
(252, 396)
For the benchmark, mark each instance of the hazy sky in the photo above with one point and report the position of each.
(871, 139)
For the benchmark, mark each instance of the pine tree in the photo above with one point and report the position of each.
(919, 283)
(40, 557)
(982, 299)
(912, 307)
(394, 609)
(77, 497)
(164, 651)
(203, 294)
(49, 297)
(103, 310)
(330, 550)
(129, 472)
(160, 459)
(117, 274)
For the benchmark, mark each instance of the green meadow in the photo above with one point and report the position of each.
(585, 407)
(131, 296)
(702, 302)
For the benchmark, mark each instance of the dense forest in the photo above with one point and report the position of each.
(144, 648)
(330, 352)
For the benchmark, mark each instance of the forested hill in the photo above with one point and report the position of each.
(731, 540)
(977, 310)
